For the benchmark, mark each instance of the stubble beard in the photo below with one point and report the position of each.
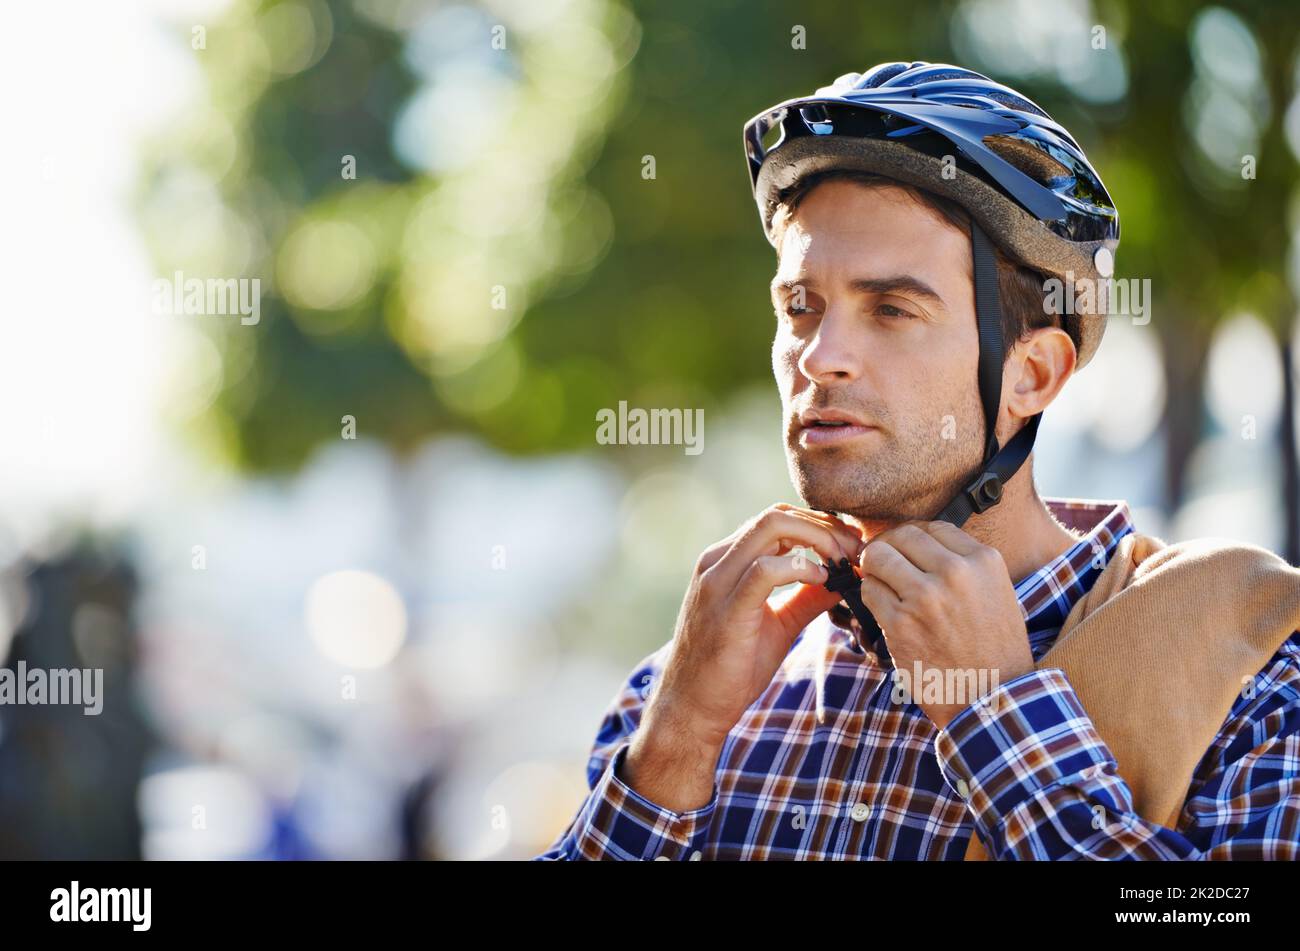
(900, 477)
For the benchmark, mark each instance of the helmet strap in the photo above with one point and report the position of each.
(1000, 463)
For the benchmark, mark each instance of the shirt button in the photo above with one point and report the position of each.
(860, 812)
(962, 789)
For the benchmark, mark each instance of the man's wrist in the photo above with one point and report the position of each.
(670, 763)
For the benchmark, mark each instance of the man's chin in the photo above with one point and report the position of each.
(868, 503)
(832, 495)
(825, 485)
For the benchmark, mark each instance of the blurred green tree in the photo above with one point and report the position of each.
(1212, 236)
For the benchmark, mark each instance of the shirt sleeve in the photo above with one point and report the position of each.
(616, 822)
(1041, 783)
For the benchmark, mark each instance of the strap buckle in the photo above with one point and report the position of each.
(841, 578)
(985, 492)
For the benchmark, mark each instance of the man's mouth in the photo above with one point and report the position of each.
(830, 428)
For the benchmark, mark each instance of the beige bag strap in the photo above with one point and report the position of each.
(1161, 646)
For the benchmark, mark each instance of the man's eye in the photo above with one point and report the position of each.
(889, 310)
(792, 310)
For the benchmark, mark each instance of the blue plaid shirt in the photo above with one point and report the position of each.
(826, 765)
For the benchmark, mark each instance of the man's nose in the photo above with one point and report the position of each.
(835, 351)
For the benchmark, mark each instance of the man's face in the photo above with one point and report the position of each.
(884, 338)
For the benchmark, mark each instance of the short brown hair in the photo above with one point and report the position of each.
(1022, 289)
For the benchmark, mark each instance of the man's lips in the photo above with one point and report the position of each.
(818, 435)
(829, 427)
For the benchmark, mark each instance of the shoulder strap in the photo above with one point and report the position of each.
(1160, 657)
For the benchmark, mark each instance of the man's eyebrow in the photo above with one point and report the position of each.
(899, 283)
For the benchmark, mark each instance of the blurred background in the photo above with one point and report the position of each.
(359, 575)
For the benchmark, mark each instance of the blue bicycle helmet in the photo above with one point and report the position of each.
(1018, 173)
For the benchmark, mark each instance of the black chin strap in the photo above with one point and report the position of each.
(1000, 463)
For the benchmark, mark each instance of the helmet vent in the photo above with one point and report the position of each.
(1028, 158)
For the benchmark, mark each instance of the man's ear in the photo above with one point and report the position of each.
(1035, 371)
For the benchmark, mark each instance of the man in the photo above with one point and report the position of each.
(1015, 676)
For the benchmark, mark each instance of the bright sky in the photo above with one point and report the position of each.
(82, 363)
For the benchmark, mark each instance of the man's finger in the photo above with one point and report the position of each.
(919, 546)
(881, 600)
(774, 532)
(710, 556)
(882, 560)
(848, 536)
(851, 532)
(770, 572)
(952, 537)
(801, 606)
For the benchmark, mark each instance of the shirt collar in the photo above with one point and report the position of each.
(1047, 594)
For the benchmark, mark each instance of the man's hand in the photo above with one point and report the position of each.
(945, 600)
(729, 643)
